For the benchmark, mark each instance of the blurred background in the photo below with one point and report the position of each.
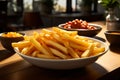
(16, 15)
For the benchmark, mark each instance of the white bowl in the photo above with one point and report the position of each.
(63, 64)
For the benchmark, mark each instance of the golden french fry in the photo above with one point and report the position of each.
(21, 44)
(88, 52)
(34, 54)
(46, 47)
(45, 31)
(36, 35)
(56, 45)
(24, 50)
(75, 40)
(30, 50)
(46, 56)
(79, 47)
(58, 53)
(73, 53)
(97, 44)
(39, 46)
(60, 31)
(57, 38)
(40, 55)
(98, 50)
(78, 52)
(26, 38)
(60, 40)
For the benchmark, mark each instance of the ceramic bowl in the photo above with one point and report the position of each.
(6, 41)
(113, 37)
(85, 32)
(63, 63)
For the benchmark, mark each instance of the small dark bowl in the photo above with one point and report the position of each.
(113, 37)
(85, 32)
(7, 41)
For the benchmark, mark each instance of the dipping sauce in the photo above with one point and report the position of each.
(78, 24)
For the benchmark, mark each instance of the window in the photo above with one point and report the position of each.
(28, 5)
(60, 5)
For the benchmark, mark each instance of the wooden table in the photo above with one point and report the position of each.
(13, 67)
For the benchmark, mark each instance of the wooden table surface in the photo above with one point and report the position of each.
(13, 67)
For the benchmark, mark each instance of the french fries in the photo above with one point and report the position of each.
(58, 44)
(12, 34)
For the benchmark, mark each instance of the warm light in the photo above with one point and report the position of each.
(61, 5)
(28, 5)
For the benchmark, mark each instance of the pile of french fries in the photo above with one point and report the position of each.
(58, 44)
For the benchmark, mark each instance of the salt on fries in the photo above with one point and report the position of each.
(58, 44)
